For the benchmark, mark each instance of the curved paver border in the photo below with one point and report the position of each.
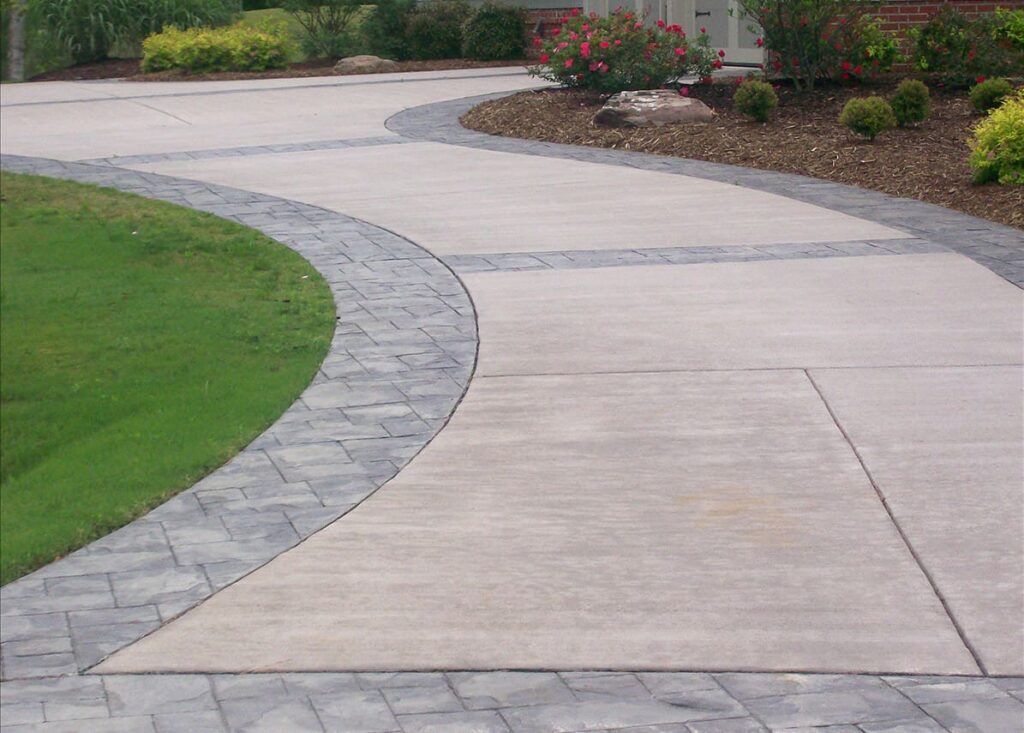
(401, 358)
(995, 246)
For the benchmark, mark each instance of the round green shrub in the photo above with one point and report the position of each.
(495, 31)
(868, 116)
(989, 94)
(755, 99)
(911, 103)
(434, 30)
(997, 150)
(386, 28)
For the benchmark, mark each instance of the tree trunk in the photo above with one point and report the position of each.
(16, 42)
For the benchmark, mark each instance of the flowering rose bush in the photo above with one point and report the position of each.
(618, 52)
(961, 51)
(808, 40)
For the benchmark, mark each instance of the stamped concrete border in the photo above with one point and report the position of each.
(401, 358)
(999, 248)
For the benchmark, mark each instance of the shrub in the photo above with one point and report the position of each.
(199, 50)
(385, 29)
(495, 31)
(434, 29)
(868, 116)
(809, 40)
(327, 25)
(755, 99)
(990, 93)
(89, 29)
(618, 52)
(911, 103)
(1010, 27)
(961, 51)
(997, 150)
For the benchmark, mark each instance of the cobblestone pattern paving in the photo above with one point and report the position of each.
(997, 247)
(517, 702)
(354, 142)
(401, 357)
(577, 259)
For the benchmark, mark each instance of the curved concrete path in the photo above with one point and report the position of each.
(721, 421)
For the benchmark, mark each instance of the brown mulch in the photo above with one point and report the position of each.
(927, 163)
(129, 69)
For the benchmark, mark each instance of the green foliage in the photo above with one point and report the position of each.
(260, 4)
(911, 103)
(997, 150)
(989, 94)
(90, 29)
(202, 50)
(810, 40)
(961, 50)
(434, 30)
(1010, 27)
(618, 52)
(328, 25)
(495, 31)
(755, 99)
(143, 345)
(868, 116)
(386, 27)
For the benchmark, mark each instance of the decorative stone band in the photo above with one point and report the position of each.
(402, 355)
(997, 247)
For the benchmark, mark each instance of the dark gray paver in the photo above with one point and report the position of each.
(997, 247)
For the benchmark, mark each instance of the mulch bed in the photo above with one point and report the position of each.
(927, 163)
(129, 69)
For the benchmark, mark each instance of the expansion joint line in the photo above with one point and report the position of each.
(899, 529)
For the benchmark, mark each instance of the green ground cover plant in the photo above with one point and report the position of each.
(201, 50)
(143, 345)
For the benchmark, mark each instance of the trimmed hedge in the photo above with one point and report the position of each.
(200, 50)
(495, 31)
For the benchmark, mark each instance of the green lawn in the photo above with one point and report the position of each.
(142, 345)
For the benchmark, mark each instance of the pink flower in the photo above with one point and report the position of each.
(585, 49)
(760, 42)
(568, 63)
(703, 29)
(544, 58)
(979, 79)
(585, 27)
(846, 66)
(721, 53)
(680, 52)
(637, 26)
(537, 42)
(593, 65)
(661, 24)
(684, 91)
(716, 64)
(574, 12)
(604, 44)
(602, 67)
(857, 70)
(618, 42)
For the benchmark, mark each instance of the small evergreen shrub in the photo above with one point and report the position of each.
(911, 103)
(201, 50)
(755, 99)
(434, 30)
(989, 94)
(997, 150)
(614, 53)
(386, 27)
(495, 31)
(868, 116)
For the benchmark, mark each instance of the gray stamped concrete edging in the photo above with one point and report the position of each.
(401, 358)
(995, 246)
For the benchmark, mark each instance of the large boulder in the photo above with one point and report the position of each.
(649, 107)
(364, 64)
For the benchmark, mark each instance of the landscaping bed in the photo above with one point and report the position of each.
(129, 69)
(144, 344)
(927, 162)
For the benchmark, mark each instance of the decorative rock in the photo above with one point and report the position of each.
(649, 107)
(364, 63)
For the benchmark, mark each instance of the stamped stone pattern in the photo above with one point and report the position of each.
(402, 353)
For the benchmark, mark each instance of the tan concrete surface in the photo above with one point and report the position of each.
(459, 200)
(712, 521)
(946, 447)
(862, 311)
(256, 116)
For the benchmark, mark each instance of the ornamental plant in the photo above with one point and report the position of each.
(811, 40)
(868, 116)
(997, 150)
(911, 103)
(495, 31)
(961, 51)
(618, 52)
(755, 99)
(434, 30)
(989, 94)
(201, 50)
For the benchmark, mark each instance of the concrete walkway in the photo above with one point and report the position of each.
(734, 443)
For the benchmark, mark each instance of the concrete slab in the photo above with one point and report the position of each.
(246, 116)
(937, 309)
(460, 200)
(656, 521)
(945, 447)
